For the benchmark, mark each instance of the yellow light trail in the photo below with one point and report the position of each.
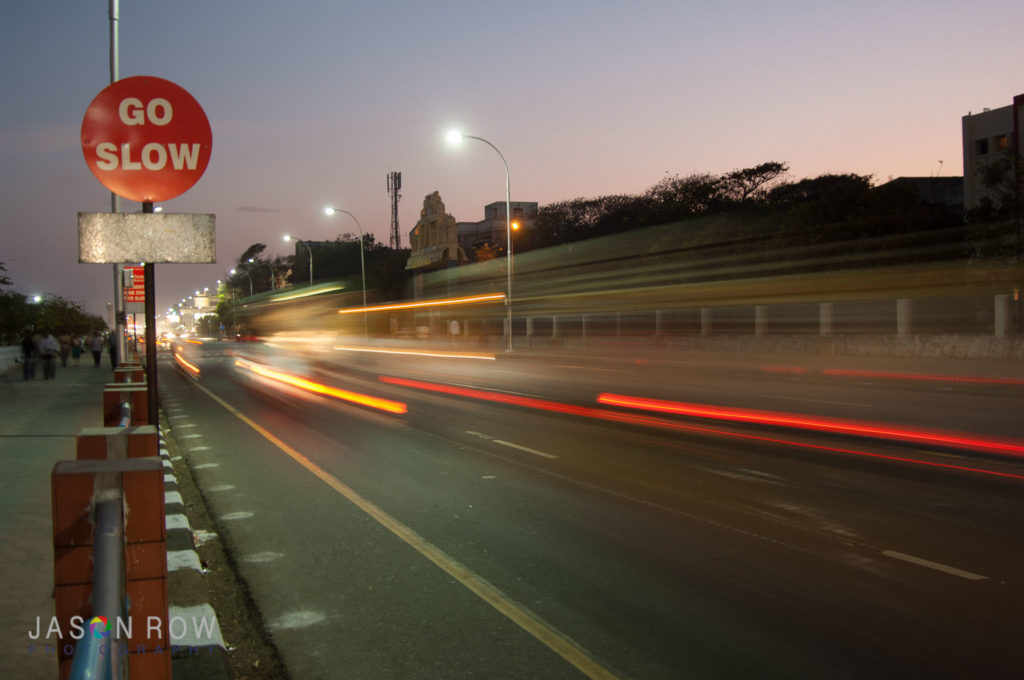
(318, 388)
(181, 360)
(491, 297)
(422, 353)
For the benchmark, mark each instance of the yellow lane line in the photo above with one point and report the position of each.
(558, 642)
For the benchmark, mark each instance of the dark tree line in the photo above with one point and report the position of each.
(19, 313)
(332, 261)
(829, 206)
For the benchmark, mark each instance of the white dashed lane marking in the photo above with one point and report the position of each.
(937, 566)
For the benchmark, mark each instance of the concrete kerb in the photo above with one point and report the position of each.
(196, 656)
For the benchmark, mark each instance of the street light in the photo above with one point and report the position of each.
(235, 271)
(329, 210)
(456, 137)
(253, 261)
(304, 244)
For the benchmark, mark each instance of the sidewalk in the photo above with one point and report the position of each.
(39, 420)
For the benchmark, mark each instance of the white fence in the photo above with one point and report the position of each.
(9, 356)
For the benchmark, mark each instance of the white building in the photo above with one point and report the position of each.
(989, 136)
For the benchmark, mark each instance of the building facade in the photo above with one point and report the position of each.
(490, 233)
(990, 137)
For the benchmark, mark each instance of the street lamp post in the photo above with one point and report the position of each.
(304, 244)
(362, 263)
(455, 137)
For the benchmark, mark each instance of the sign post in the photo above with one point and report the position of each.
(145, 139)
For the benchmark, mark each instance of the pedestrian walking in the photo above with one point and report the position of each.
(65, 348)
(49, 349)
(112, 348)
(28, 356)
(96, 347)
(76, 349)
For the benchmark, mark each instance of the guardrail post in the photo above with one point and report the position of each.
(1002, 312)
(904, 316)
(142, 442)
(133, 372)
(760, 319)
(826, 317)
(114, 394)
(79, 489)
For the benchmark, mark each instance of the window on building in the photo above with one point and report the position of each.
(1002, 143)
(981, 147)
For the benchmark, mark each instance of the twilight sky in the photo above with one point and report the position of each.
(315, 101)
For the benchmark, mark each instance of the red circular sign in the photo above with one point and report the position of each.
(146, 139)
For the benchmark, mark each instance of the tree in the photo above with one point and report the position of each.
(752, 183)
(253, 251)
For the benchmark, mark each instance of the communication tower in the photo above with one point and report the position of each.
(394, 187)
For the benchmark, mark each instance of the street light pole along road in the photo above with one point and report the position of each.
(454, 137)
(330, 210)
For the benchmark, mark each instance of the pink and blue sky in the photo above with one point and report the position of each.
(315, 101)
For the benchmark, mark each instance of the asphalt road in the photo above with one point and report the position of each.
(489, 534)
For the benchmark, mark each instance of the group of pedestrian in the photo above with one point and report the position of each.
(44, 348)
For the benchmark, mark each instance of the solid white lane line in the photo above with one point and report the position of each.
(945, 568)
(523, 448)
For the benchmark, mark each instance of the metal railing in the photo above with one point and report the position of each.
(97, 655)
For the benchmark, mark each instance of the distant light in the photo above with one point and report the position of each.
(233, 271)
(515, 226)
(329, 210)
(197, 292)
(287, 237)
(454, 137)
(37, 298)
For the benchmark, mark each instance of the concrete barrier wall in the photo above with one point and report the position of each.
(9, 355)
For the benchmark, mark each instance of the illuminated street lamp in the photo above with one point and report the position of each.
(304, 244)
(253, 261)
(362, 265)
(456, 137)
(235, 271)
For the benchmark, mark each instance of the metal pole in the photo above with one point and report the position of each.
(310, 264)
(362, 264)
(115, 200)
(508, 240)
(151, 386)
